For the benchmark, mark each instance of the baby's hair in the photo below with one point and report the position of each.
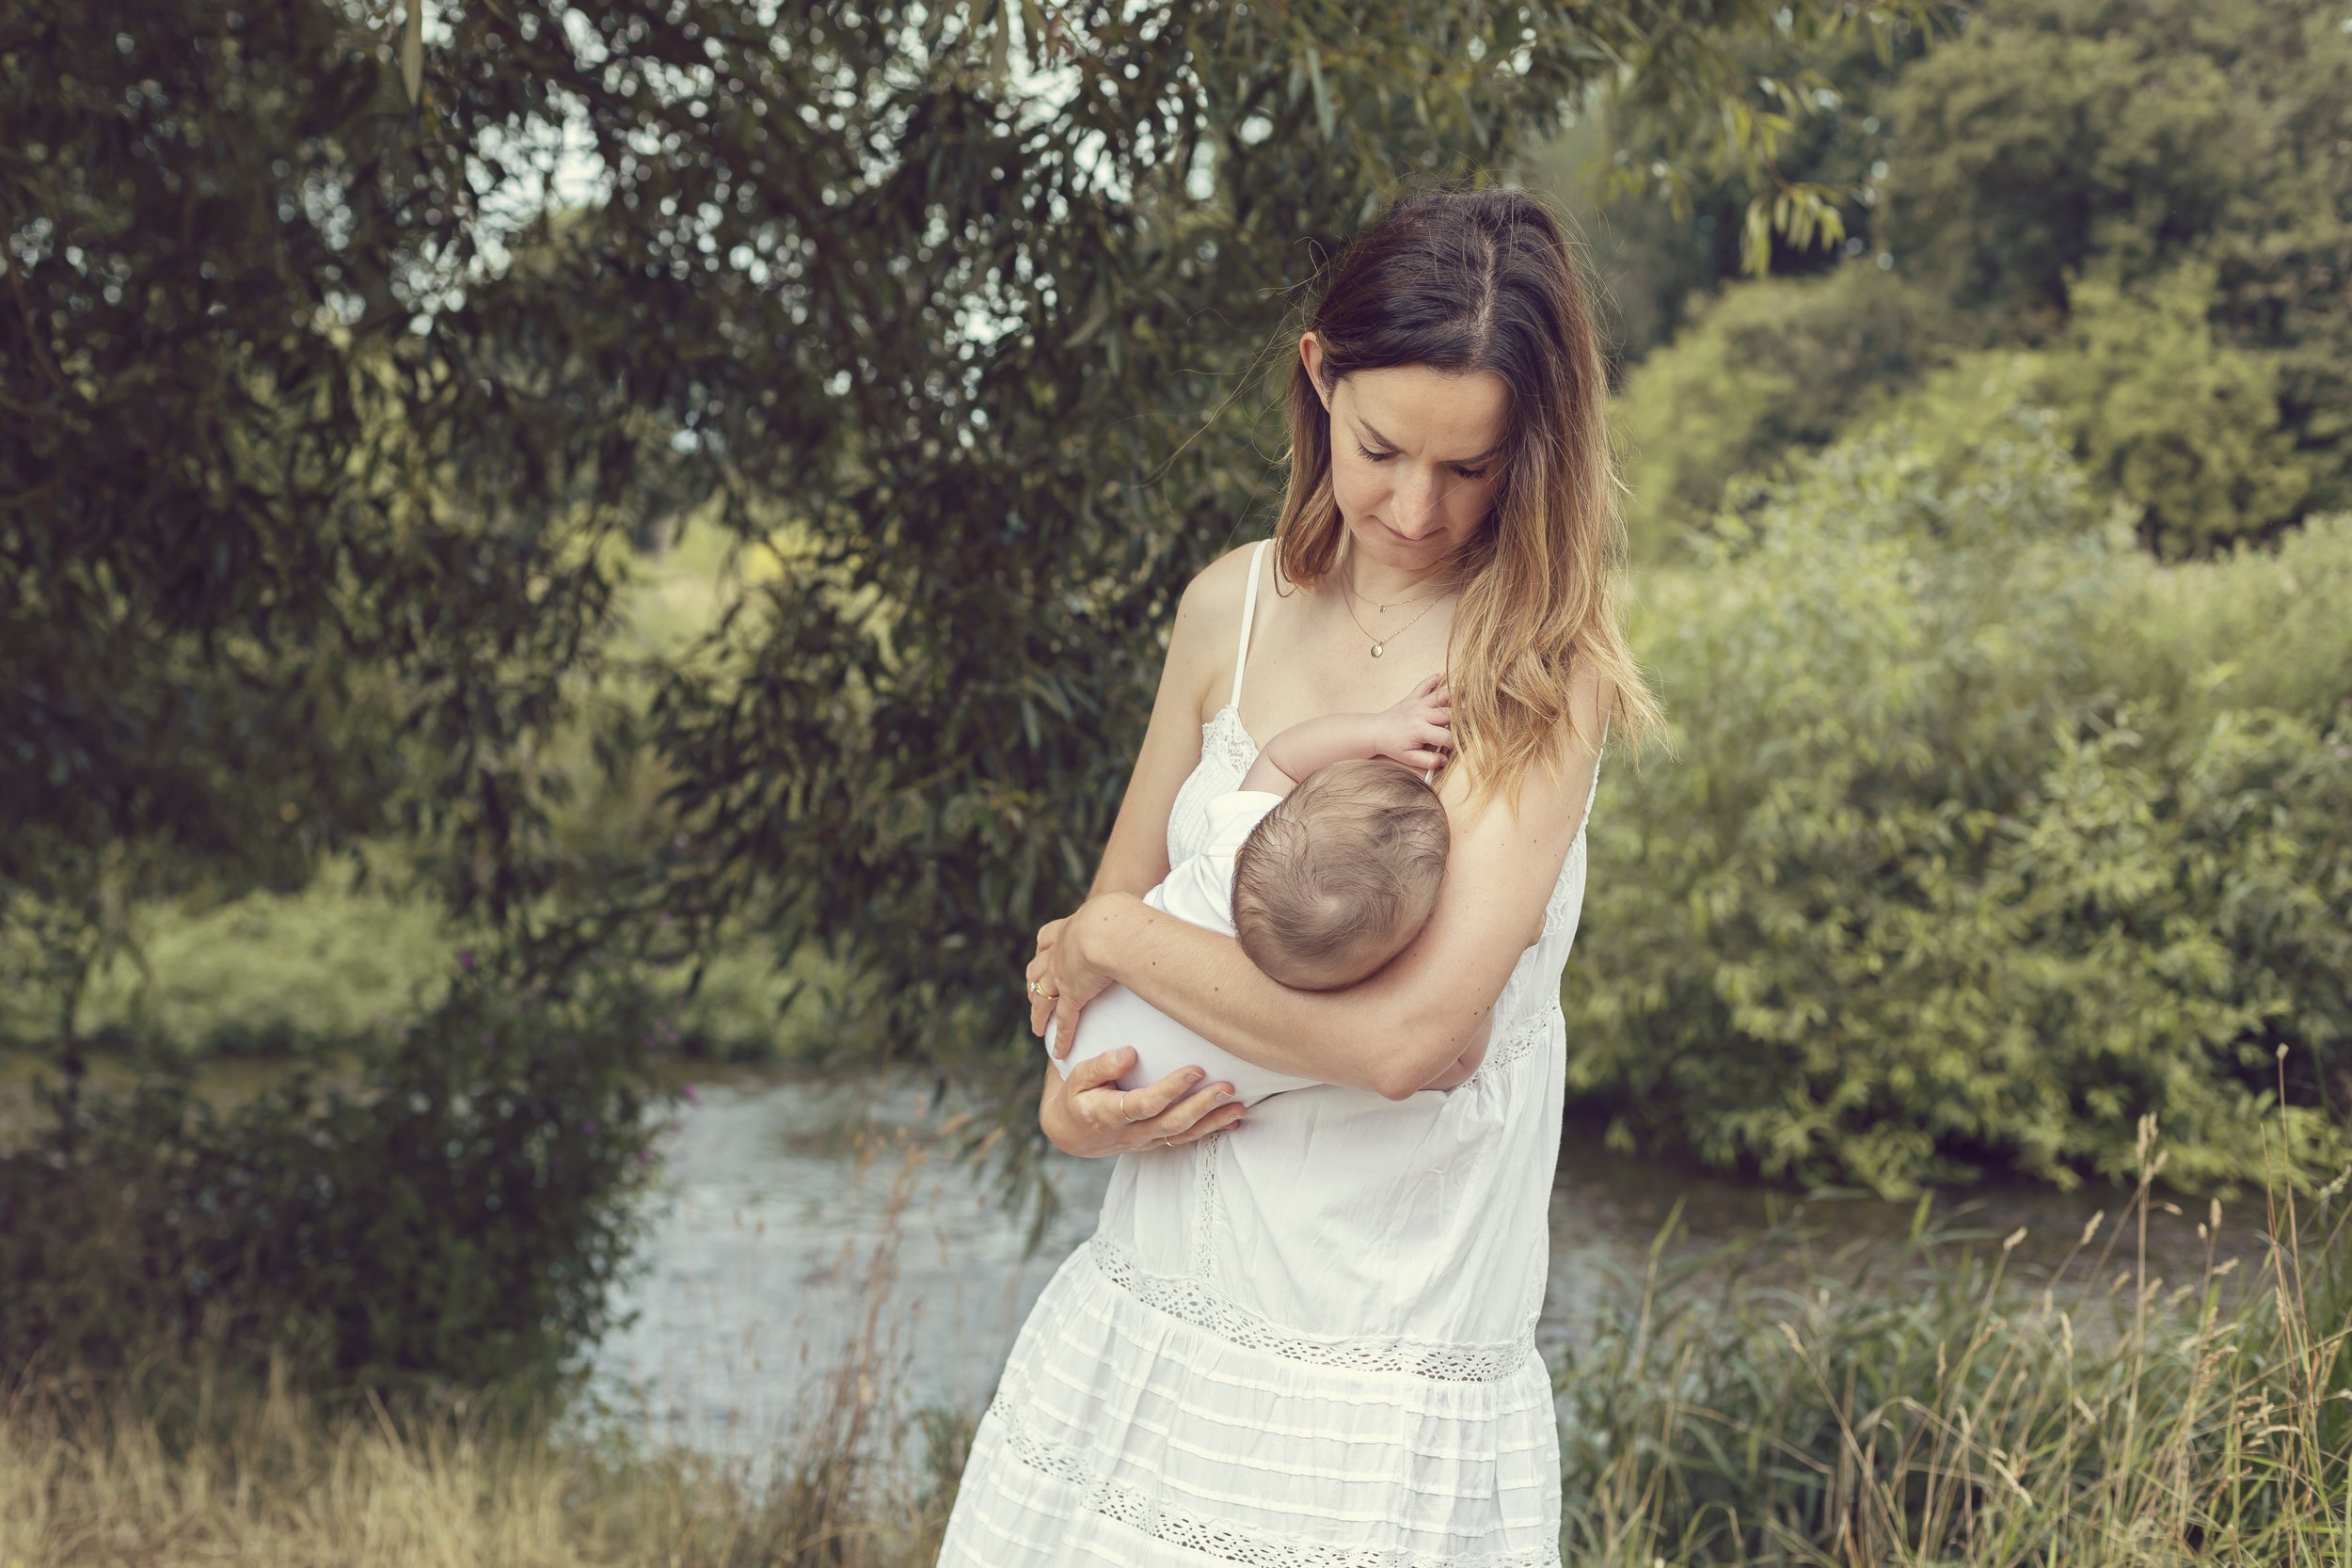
(1336, 879)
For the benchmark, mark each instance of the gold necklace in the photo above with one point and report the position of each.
(1395, 604)
(1379, 643)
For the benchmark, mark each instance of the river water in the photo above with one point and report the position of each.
(800, 1226)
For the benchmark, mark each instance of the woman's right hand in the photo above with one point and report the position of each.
(1040, 1005)
(1089, 1114)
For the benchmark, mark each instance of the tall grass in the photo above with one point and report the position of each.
(1933, 1409)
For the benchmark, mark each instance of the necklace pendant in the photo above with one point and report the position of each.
(1376, 650)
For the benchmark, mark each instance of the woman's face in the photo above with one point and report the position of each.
(1416, 456)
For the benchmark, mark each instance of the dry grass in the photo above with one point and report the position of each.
(172, 1467)
(274, 1481)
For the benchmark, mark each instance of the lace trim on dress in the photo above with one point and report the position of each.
(1565, 896)
(1224, 737)
(1216, 1537)
(1518, 1042)
(1192, 1301)
(1204, 1206)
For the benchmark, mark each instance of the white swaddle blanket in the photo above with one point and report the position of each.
(1199, 889)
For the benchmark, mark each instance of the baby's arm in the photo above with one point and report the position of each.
(1416, 732)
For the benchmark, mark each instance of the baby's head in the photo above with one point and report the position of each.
(1342, 874)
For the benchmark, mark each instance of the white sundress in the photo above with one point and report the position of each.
(1309, 1342)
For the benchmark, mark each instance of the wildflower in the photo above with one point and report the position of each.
(464, 959)
(687, 1092)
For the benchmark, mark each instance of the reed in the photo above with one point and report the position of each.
(1932, 1408)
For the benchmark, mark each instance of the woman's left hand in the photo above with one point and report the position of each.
(1064, 976)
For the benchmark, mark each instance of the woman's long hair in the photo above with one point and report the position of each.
(1464, 281)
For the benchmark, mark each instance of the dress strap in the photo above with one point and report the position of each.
(1592, 790)
(1249, 614)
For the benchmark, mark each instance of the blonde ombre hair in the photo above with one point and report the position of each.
(1467, 281)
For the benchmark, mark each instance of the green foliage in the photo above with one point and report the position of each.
(2158, 194)
(1021, 409)
(2056, 140)
(2186, 428)
(456, 1211)
(2052, 131)
(293, 554)
(337, 967)
(336, 963)
(1962, 864)
(1667, 206)
(1764, 370)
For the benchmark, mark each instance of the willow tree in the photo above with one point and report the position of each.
(338, 341)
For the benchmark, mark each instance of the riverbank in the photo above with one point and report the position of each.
(1926, 1407)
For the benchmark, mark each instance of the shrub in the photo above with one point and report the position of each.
(2057, 139)
(1763, 370)
(2186, 428)
(457, 1212)
(267, 974)
(1967, 861)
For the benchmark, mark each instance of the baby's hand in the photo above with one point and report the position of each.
(1418, 731)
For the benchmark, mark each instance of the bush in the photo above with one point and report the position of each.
(1969, 860)
(457, 1214)
(1764, 369)
(331, 968)
(2057, 139)
(2186, 428)
(328, 966)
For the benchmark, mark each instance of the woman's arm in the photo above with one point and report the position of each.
(1087, 1114)
(1207, 629)
(1405, 1026)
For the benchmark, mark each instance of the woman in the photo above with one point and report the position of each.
(1309, 1341)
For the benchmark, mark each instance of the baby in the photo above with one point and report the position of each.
(1324, 863)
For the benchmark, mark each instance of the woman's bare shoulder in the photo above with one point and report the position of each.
(1215, 592)
(1208, 617)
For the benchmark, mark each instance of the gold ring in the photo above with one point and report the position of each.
(1033, 990)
